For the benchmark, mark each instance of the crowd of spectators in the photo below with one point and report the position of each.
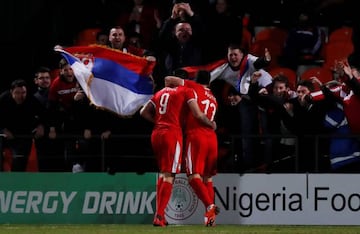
(180, 34)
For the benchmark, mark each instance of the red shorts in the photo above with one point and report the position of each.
(167, 146)
(201, 153)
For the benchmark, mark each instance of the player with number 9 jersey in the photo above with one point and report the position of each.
(166, 138)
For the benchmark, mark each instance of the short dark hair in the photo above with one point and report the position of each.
(181, 73)
(307, 83)
(42, 69)
(202, 77)
(234, 46)
(281, 79)
(18, 83)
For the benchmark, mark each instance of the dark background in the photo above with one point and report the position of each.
(30, 29)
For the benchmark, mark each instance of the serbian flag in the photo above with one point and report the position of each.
(211, 67)
(246, 69)
(111, 79)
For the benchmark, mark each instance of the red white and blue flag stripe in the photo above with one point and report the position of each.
(111, 79)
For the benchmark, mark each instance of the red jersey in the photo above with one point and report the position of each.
(207, 104)
(201, 141)
(63, 92)
(166, 138)
(170, 106)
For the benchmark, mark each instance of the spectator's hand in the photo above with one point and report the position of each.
(255, 76)
(52, 133)
(157, 18)
(58, 47)
(347, 70)
(79, 95)
(87, 134)
(291, 94)
(263, 91)
(105, 135)
(339, 68)
(150, 58)
(39, 131)
(8, 134)
(305, 100)
(187, 8)
(175, 11)
(288, 107)
(315, 80)
(267, 55)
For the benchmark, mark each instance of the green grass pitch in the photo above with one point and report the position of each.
(180, 229)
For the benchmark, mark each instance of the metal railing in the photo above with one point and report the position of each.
(133, 153)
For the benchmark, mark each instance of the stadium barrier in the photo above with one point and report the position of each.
(129, 198)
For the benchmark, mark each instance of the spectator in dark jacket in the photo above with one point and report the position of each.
(20, 121)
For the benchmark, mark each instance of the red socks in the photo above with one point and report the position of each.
(201, 191)
(163, 197)
(210, 189)
(158, 186)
